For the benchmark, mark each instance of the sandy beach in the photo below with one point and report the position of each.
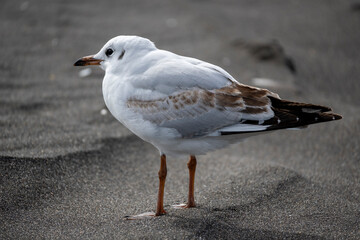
(69, 170)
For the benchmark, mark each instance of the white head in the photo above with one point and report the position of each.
(117, 51)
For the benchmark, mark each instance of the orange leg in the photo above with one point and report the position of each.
(162, 177)
(192, 168)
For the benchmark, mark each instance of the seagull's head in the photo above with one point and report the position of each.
(117, 52)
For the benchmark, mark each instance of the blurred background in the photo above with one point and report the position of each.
(70, 170)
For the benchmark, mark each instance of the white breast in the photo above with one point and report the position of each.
(116, 92)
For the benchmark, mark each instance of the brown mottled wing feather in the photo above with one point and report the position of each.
(197, 112)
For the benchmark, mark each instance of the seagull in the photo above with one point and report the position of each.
(185, 106)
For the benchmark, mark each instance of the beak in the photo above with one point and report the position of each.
(88, 60)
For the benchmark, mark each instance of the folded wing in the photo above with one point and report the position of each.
(198, 112)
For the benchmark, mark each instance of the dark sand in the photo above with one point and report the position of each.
(68, 172)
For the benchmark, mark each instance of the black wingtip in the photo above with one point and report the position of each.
(337, 116)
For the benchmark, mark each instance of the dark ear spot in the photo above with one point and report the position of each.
(121, 55)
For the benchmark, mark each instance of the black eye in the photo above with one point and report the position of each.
(109, 52)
